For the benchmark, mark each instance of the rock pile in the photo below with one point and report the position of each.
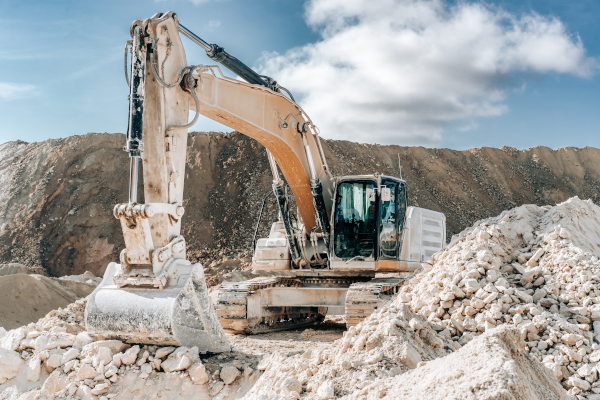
(532, 267)
(56, 358)
(390, 342)
(510, 309)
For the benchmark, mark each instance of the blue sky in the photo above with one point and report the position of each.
(61, 68)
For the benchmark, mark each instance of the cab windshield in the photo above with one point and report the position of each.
(355, 214)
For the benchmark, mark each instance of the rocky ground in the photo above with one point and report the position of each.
(509, 310)
(56, 196)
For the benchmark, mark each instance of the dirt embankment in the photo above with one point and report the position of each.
(56, 197)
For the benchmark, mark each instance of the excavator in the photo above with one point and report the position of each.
(341, 244)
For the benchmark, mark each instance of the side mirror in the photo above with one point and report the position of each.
(370, 195)
(386, 194)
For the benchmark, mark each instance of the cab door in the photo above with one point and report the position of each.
(388, 223)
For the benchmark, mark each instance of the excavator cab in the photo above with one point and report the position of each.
(368, 221)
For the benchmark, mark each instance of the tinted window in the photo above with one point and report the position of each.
(355, 214)
(388, 234)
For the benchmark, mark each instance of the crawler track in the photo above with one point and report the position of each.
(232, 306)
(363, 298)
(238, 314)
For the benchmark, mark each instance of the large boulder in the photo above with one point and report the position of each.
(10, 364)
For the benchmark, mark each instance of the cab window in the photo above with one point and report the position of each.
(388, 229)
(354, 219)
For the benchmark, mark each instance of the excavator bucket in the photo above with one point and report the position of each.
(179, 313)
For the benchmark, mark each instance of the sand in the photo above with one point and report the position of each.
(27, 298)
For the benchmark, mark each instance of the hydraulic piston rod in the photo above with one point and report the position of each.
(218, 54)
(135, 145)
(133, 178)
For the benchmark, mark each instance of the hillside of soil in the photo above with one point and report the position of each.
(56, 196)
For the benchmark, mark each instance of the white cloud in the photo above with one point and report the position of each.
(13, 91)
(212, 25)
(195, 2)
(400, 71)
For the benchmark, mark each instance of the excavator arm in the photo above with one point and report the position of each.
(256, 108)
(154, 295)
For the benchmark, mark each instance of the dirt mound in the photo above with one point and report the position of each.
(56, 197)
(27, 298)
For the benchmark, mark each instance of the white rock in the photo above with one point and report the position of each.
(104, 356)
(2, 332)
(229, 374)
(71, 354)
(409, 356)
(176, 363)
(556, 369)
(563, 233)
(92, 349)
(54, 341)
(492, 276)
(587, 370)
(86, 371)
(571, 339)
(595, 356)
(472, 285)
(191, 352)
(198, 374)
(84, 392)
(164, 351)
(34, 369)
(572, 354)
(12, 339)
(10, 364)
(374, 359)
(539, 294)
(326, 390)
(82, 339)
(215, 388)
(291, 385)
(117, 360)
(529, 275)
(145, 370)
(112, 370)
(54, 361)
(524, 296)
(579, 383)
(457, 291)
(100, 388)
(69, 365)
(130, 355)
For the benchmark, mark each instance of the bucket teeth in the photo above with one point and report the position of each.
(179, 314)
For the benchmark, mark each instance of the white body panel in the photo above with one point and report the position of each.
(424, 234)
(272, 253)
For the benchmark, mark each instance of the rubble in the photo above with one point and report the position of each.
(510, 309)
(57, 359)
(532, 267)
